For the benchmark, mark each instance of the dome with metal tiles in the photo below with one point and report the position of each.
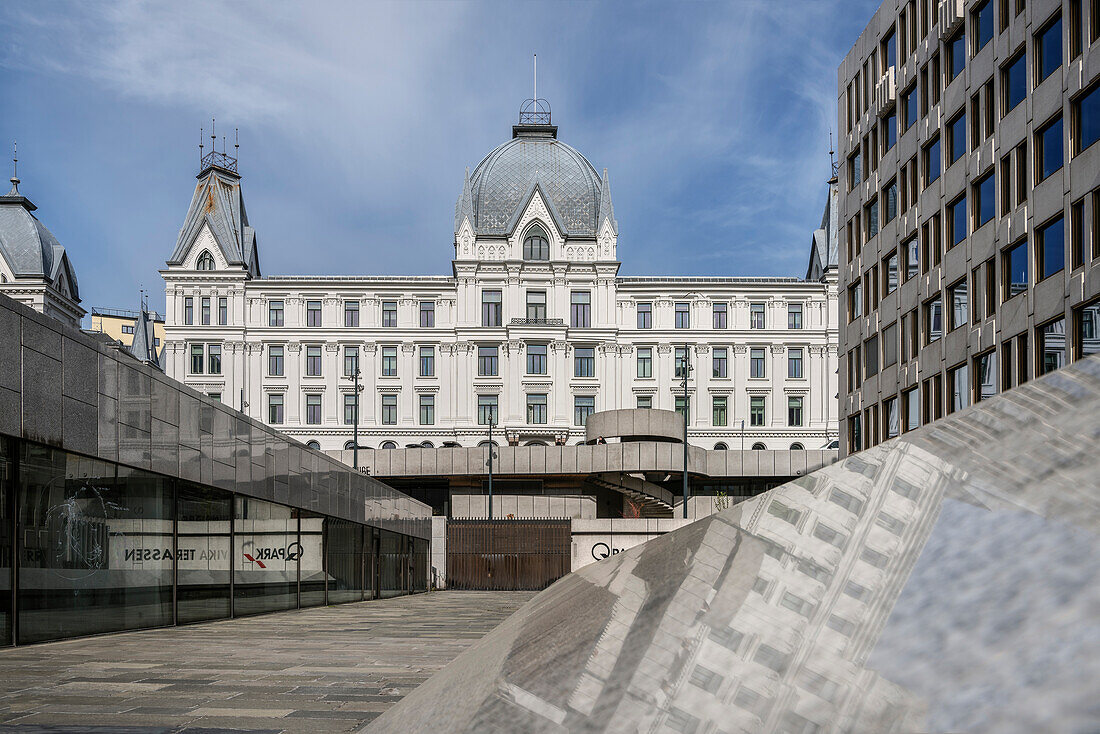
(496, 194)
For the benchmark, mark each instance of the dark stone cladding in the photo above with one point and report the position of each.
(67, 389)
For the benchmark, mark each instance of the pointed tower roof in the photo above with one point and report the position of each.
(217, 203)
(607, 210)
(825, 243)
(464, 207)
(144, 345)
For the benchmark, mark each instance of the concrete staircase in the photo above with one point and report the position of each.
(652, 499)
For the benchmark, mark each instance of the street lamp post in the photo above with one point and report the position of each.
(490, 447)
(687, 410)
(355, 423)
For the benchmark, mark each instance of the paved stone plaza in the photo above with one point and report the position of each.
(326, 669)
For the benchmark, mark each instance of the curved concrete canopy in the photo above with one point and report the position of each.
(635, 424)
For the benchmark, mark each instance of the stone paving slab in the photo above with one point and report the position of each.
(319, 670)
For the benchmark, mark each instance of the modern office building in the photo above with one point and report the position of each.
(130, 501)
(533, 330)
(969, 205)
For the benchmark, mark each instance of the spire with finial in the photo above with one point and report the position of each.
(14, 169)
(217, 158)
(834, 169)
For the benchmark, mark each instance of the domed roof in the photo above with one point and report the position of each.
(504, 181)
(28, 248)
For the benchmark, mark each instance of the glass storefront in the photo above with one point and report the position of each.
(103, 548)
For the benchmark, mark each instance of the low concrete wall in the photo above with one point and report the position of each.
(594, 540)
(523, 505)
(641, 423)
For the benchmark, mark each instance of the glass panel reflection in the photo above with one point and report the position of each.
(205, 516)
(7, 476)
(266, 552)
(312, 574)
(344, 560)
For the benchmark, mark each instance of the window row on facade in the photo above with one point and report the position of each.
(1002, 367)
(536, 405)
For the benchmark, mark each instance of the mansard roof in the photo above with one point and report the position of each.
(218, 204)
(29, 249)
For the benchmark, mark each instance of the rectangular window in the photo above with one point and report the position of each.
(890, 273)
(956, 221)
(1021, 173)
(1052, 346)
(1048, 46)
(1048, 149)
(584, 362)
(756, 410)
(274, 313)
(982, 24)
(910, 404)
(351, 361)
(427, 410)
(985, 200)
(720, 363)
(536, 306)
(794, 411)
(957, 294)
(985, 375)
(351, 409)
(870, 357)
(583, 406)
(189, 311)
(756, 362)
(890, 201)
(990, 286)
(719, 415)
(1086, 330)
(487, 361)
(854, 169)
(989, 118)
(756, 316)
(956, 55)
(389, 314)
(486, 410)
(720, 312)
(389, 361)
(223, 311)
(536, 409)
(794, 362)
(645, 315)
(351, 313)
(910, 336)
(933, 320)
(956, 138)
(1050, 244)
(580, 309)
(910, 251)
(683, 315)
(890, 344)
(427, 361)
(680, 362)
(855, 365)
(682, 406)
(870, 218)
(1086, 118)
(536, 359)
(127, 329)
(491, 308)
(931, 162)
(427, 314)
(205, 312)
(1077, 233)
(794, 315)
(313, 361)
(275, 361)
(645, 361)
(275, 409)
(1076, 30)
(198, 358)
(1014, 82)
(891, 418)
(644, 401)
(313, 313)
(855, 301)
(909, 107)
(1014, 267)
(313, 409)
(389, 410)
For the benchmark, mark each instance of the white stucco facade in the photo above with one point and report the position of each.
(429, 373)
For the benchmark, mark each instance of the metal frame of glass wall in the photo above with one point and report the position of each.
(89, 546)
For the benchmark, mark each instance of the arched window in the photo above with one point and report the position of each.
(427, 445)
(349, 445)
(389, 445)
(486, 443)
(206, 261)
(758, 446)
(797, 447)
(720, 446)
(536, 246)
(535, 443)
(313, 445)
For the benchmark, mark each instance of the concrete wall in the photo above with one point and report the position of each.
(63, 388)
(524, 505)
(635, 422)
(594, 540)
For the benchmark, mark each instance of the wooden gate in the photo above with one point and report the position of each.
(507, 555)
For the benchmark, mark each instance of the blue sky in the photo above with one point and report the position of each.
(357, 122)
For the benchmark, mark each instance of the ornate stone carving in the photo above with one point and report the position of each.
(778, 348)
(294, 346)
(370, 347)
(560, 346)
(702, 348)
(408, 347)
(740, 349)
(330, 347)
(664, 348)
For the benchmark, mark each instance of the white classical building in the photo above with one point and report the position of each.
(532, 331)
